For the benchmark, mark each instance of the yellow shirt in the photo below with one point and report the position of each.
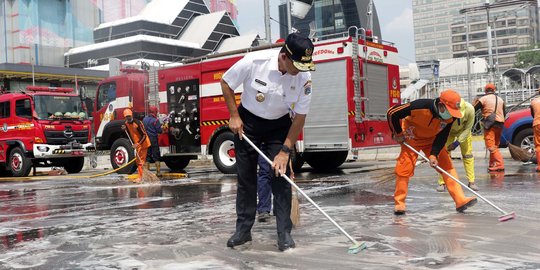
(461, 129)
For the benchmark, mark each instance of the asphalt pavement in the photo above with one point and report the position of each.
(184, 223)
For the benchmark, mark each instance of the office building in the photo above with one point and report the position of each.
(432, 32)
(514, 27)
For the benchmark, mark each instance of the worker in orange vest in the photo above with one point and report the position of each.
(139, 138)
(535, 112)
(425, 126)
(493, 113)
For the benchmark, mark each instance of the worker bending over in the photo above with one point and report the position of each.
(425, 126)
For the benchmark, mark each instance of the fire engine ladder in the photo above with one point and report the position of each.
(153, 88)
(357, 78)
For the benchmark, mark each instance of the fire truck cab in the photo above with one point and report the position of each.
(355, 82)
(42, 127)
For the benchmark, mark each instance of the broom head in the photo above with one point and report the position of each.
(519, 153)
(149, 177)
(295, 209)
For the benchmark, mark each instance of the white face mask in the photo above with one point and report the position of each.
(444, 115)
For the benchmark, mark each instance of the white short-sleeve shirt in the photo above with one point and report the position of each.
(259, 74)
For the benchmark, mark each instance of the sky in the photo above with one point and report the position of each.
(395, 18)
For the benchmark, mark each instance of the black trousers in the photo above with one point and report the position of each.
(154, 154)
(272, 133)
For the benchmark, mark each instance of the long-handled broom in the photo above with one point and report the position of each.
(147, 175)
(505, 215)
(356, 247)
(519, 153)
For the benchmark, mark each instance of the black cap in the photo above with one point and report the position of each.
(300, 49)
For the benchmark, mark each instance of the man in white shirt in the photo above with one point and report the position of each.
(275, 83)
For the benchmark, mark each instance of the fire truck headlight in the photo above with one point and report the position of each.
(43, 148)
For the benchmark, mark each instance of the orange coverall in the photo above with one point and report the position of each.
(492, 136)
(424, 131)
(138, 135)
(535, 112)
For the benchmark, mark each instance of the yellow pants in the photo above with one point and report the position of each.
(466, 154)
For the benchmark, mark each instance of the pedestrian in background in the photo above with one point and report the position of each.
(493, 114)
(461, 135)
(153, 129)
(425, 124)
(139, 138)
(535, 112)
(272, 81)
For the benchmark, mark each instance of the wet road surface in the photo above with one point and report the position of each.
(108, 223)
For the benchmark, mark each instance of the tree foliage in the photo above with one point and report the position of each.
(528, 57)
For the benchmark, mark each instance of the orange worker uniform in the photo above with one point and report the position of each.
(139, 138)
(535, 112)
(492, 136)
(424, 127)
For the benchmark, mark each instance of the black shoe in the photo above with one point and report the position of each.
(263, 217)
(285, 241)
(238, 239)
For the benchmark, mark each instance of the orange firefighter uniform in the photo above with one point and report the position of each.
(139, 138)
(535, 112)
(424, 128)
(491, 103)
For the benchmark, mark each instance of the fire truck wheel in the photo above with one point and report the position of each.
(223, 153)
(19, 165)
(176, 164)
(74, 165)
(121, 153)
(325, 161)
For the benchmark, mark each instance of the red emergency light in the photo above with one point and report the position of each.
(369, 33)
(49, 89)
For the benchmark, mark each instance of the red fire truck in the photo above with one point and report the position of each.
(356, 81)
(42, 127)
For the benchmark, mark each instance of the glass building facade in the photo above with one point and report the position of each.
(39, 32)
(328, 17)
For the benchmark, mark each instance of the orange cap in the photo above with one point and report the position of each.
(489, 87)
(128, 112)
(451, 99)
